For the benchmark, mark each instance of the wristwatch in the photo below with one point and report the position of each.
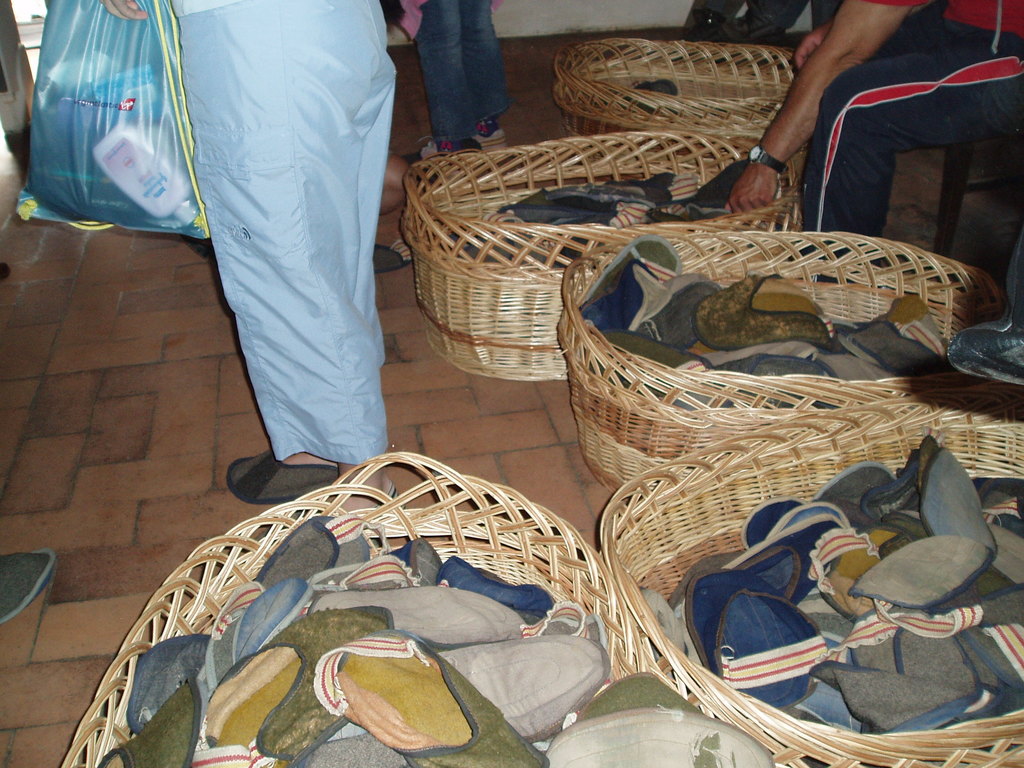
(759, 155)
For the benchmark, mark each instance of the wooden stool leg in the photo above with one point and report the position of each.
(956, 166)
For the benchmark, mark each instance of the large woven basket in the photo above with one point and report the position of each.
(633, 413)
(490, 290)
(722, 89)
(490, 526)
(662, 522)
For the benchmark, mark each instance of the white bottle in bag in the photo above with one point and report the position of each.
(134, 167)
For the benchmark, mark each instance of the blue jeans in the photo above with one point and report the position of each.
(935, 82)
(463, 71)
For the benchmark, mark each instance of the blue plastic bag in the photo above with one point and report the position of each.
(109, 138)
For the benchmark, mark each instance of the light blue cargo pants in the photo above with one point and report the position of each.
(290, 103)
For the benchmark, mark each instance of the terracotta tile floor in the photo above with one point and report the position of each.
(123, 398)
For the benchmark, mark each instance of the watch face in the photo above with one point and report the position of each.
(756, 154)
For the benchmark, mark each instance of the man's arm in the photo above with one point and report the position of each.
(857, 32)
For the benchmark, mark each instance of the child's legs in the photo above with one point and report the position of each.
(439, 45)
(482, 60)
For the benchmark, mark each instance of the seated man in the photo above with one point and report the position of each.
(886, 76)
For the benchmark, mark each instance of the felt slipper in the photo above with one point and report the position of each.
(641, 722)
(661, 85)
(23, 575)
(673, 322)
(535, 682)
(925, 573)
(456, 572)
(361, 751)
(422, 559)
(754, 311)
(641, 345)
(904, 341)
(299, 722)
(654, 252)
(950, 504)
(263, 479)
(414, 701)
(319, 543)
(848, 487)
(159, 672)
(440, 615)
(168, 740)
(388, 259)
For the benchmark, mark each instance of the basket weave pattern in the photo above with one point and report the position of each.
(662, 522)
(632, 413)
(723, 89)
(490, 526)
(490, 290)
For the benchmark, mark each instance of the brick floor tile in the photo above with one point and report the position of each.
(435, 405)
(166, 322)
(234, 393)
(170, 297)
(547, 477)
(412, 346)
(488, 434)
(161, 521)
(396, 289)
(99, 572)
(45, 271)
(104, 259)
(152, 478)
(18, 634)
(90, 317)
(42, 474)
(17, 394)
(120, 431)
(41, 745)
(84, 524)
(105, 354)
(63, 404)
(215, 340)
(421, 376)
(504, 396)
(12, 424)
(99, 627)
(20, 240)
(62, 242)
(400, 319)
(159, 377)
(49, 693)
(404, 439)
(184, 422)
(483, 466)
(26, 352)
(555, 395)
(6, 740)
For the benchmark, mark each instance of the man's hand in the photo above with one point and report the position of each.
(810, 43)
(125, 9)
(756, 187)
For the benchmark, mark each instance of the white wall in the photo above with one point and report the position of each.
(525, 18)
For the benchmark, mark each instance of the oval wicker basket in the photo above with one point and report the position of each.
(722, 89)
(490, 290)
(633, 413)
(663, 521)
(489, 525)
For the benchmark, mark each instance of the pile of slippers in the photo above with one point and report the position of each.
(331, 657)
(762, 325)
(891, 601)
(663, 197)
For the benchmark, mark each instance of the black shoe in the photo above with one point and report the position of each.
(707, 27)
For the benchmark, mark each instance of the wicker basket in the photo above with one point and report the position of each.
(723, 90)
(665, 520)
(490, 526)
(490, 290)
(628, 408)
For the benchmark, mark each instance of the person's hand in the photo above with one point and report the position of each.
(756, 187)
(810, 44)
(125, 9)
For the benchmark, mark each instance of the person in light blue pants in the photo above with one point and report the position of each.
(290, 105)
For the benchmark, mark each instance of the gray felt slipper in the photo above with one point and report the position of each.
(263, 479)
(23, 575)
